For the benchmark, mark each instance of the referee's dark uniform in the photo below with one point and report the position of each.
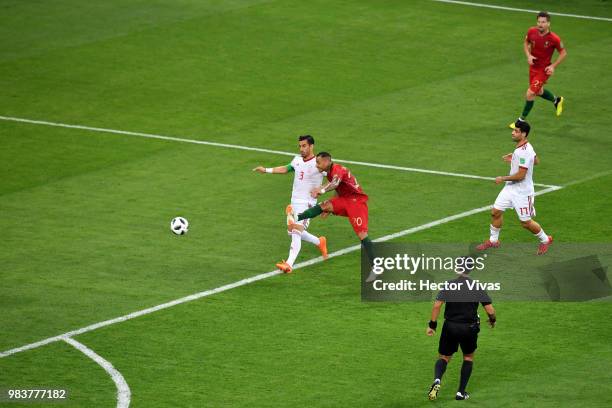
(461, 321)
(460, 329)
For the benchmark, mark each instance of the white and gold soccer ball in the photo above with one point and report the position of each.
(179, 225)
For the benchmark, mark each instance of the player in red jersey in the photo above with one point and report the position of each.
(350, 200)
(540, 44)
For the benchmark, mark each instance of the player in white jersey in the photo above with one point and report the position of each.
(518, 193)
(307, 177)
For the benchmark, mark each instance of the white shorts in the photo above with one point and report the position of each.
(300, 208)
(522, 204)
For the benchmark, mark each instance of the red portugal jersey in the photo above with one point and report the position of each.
(348, 184)
(543, 46)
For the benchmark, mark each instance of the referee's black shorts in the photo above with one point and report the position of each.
(458, 334)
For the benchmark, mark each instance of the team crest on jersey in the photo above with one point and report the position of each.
(522, 160)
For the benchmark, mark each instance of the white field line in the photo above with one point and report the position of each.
(123, 390)
(467, 3)
(589, 178)
(247, 281)
(240, 147)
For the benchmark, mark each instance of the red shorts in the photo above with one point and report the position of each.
(353, 207)
(537, 79)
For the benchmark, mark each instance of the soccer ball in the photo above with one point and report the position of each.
(179, 225)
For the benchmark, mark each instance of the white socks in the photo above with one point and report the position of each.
(494, 233)
(542, 236)
(308, 237)
(296, 245)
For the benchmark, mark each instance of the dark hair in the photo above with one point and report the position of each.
(324, 155)
(522, 126)
(544, 14)
(307, 138)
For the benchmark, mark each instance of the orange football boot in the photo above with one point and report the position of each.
(284, 266)
(291, 217)
(323, 247)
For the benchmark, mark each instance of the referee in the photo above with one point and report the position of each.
(461, 327)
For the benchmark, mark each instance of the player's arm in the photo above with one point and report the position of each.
(527, 49)
(560, 58)
(332, 185)
(274, 170)
(536, 160)
(562, 54)
(433, 322)
(491, 313)
(518, 176)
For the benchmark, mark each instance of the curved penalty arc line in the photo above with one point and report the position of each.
(123, 390)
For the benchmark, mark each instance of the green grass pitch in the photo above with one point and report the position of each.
(84, 215)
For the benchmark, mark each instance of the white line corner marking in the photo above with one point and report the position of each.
(123, 390)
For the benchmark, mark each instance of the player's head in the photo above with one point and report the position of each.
(520, 130)
(543, 21)
(306, 143)
(324, 161)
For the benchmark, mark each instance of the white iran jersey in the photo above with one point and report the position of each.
(523, 156)
(307, 177)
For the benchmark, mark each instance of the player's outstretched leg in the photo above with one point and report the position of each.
(292, 218)
(439, 369)
(368, 247)
(538, 232)
(294, 250)
(295, 231)
(310, 213)
(296, 246)
(320, 242)
(494, 230)
(466, 372)
(529, 102)
(556, 100)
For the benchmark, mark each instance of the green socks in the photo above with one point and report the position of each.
(527, 109)
(549, 96)
(310, 213)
